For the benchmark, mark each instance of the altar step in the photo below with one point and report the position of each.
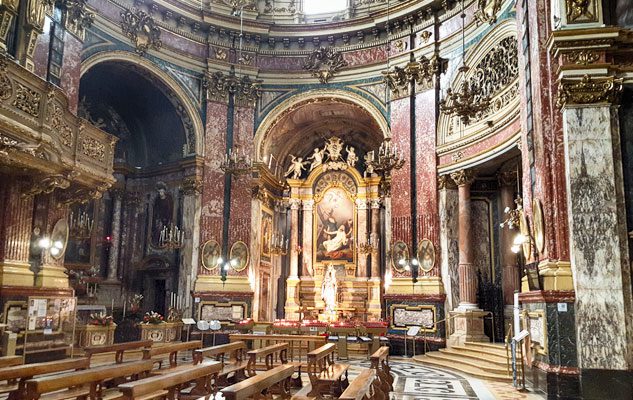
(481, 360)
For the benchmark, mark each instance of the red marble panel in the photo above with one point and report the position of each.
(240, 190)
(368, 56)
(213, 177)
(280, 63)
(71, 70)
(183, 45)
(401, 179)
(16, 214)
(40, 54)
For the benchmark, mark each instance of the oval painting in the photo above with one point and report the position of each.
(211, 252)
(399, 256)
(239, 256)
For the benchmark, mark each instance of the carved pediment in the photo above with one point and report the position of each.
(141, 29)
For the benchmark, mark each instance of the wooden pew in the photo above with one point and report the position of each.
(22, 373)
(169, 385)
(157, 354)
(268, 353)
(10, 361)
(118, 349)
(365, 386)
(83, 384)
(262, 385)
(298, 345)
(230, 355)
(325, 375)
(380, 363)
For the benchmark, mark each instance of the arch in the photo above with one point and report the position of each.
(290, 104)
(190, 108)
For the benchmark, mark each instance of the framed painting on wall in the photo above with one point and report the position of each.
(267, 233)
(334, 227)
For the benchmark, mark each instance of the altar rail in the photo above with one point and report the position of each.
(298, 345)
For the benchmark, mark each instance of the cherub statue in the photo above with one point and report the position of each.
(352, 158)
(317, 158)
(297, 165)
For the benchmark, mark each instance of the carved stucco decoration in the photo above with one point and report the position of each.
(324, 62)
(6, 87)
(81, 195)
(422, 72)
(579, 11)
(92, 148)
(141, 29)
(50, 183)
(250, 5)
(583, 57)
(487, 11)
(334, 179)
(27, 100)
(219, 86)
(8, 144)
(588, 90)
(192, 186)
(269, 7)
(78, 17)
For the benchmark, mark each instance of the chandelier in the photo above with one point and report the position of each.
(278, 244)
(467, 102)
(171, 237)
(80, 225)
(236, 162)
(367, 247)
(387, 159)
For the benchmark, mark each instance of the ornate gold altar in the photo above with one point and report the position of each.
(166, 332)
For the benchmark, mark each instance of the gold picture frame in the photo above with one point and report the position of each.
(60, 235)
(538, 225)
(399, 251)
(210, 253)
(426, 255)
(239, 252)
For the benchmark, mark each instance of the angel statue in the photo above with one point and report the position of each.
(317, 158)
(329, 289)
(297, 165)
(352, 158)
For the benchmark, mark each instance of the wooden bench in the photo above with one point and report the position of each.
(10, 361)
(279, 350)
(157, 354)
(365, 386)
(262, 385)
(171, 384)
(230, 355)
(325, 375)
(380, 363)
(17, 376)
(298, 345)
(118, 349)
(87, 383)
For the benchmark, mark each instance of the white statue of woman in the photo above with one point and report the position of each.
(329, 289)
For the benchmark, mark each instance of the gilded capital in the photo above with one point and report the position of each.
(507, 178)
(375, 204)
(463, 177)
(295, 204)
(445, 182)
(192, 186)
(588, 90)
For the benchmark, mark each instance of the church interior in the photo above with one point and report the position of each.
(302, 199)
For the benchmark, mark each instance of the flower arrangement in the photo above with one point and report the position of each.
(153, 317)
(100, 319)
(135, 303)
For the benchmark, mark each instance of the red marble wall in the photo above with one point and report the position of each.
(16, 213)
(426, 175)
(71, 70)
(401, 179)
(549, 185)
(213, 177)
(40, 54)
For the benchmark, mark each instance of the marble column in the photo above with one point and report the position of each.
(598, 239)
(292, 283)
(449, 231)
(361, 236)
(307, 269)
(374, 307)
(467, 277)
(191, 209)
(16, 216)
(469, 323)
(115, 236)
(510, 269)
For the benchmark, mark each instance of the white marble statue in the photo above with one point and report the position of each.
(317, 158)
(297, 165)
(352, 158)
(369, 164)
(329, 289)
(334, 147)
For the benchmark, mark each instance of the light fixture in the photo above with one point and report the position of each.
(236, 162)
(80, 225)
(171, 237)
(467, 102)
(367, 247)
(278, 244)
(387, 158)
(44, 243)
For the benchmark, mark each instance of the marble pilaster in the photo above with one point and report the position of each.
(292, 283)
(598, 237)
(361, 236)
(191, 206)
(467, 278)
(115, 243)
(449, 247)
(510, 270)
(375, 238)
(306, 265)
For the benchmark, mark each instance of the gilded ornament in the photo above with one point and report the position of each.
(425, 36)
(463, 177)
(580, 11)
(141, 29)
(220, 86)
(78, 18)
(588, 90)
(192, 186)
(6, 87)
(220, 54)
(445, 182)
(27, 100)
(583, 57)
(324, 62)
(92, 148)
(487, 11)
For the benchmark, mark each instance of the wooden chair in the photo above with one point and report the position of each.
(365, 386)
(262, 385)
(118, 349)
(325, 375)
(17, 376)
(380, 363)
(157, 354)
(84, 384)
(170, 384)
(231, 356)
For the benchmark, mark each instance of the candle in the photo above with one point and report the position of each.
(112, 308)
(124, 305)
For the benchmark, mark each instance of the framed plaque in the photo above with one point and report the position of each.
(399, 252)
(426, 255)
(210, 256)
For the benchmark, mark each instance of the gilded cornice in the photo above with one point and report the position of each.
(141, 29)
(219, 86)
(588, 90)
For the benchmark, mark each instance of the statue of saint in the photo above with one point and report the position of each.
(329, 289)
(369, 164)
(317, 158)
(352, 158)
(297, 165)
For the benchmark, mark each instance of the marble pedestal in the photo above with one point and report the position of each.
(469, 327)
(292, 294)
